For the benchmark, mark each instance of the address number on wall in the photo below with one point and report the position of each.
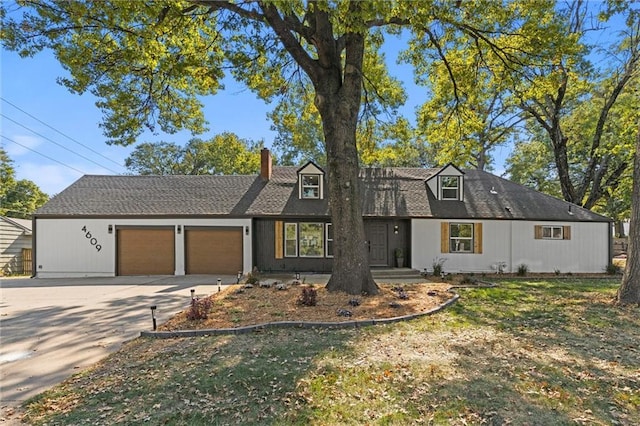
(92, 240)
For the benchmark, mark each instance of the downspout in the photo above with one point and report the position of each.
(33, 247)
(511, 245)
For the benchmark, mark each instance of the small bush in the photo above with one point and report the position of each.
(613, 269)
(556, 271)
(438, 269)
(523, 270)
(199, 309)
(252, 278)
(468, 279)
(308, 297)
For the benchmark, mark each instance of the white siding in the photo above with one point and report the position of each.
(12, 240)
(63, 249)
(513, 243)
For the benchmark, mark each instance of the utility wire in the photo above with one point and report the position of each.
(56, 143)
(45, 156)
(59, 132)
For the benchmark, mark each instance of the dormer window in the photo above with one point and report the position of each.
(310, 182)
(447, 184)
(450, 187)
(310, 186)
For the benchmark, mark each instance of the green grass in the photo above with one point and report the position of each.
(526, 352)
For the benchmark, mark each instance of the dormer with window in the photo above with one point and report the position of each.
(310, 182)
(447, 183)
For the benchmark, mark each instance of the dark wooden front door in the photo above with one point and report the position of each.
(376, 233)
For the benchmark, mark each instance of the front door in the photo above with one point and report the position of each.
(376, 234)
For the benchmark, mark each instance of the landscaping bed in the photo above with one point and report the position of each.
(238, 306)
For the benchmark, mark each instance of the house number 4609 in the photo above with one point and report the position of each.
(91, 238)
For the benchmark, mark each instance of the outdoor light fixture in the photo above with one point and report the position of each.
(395, 229)
(193, 293)
(297, 276)
(153, 316)
(110, 228)
(239, 276)
(246, 230)
(179, 229)
(219, 283)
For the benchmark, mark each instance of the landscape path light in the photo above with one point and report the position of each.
(219, 284)
(153, 317)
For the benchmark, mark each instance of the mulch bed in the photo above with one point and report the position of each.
(237, 306)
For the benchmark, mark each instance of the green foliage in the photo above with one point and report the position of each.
(523, 270)
(18, 198)
(224, 154)
(437, 266)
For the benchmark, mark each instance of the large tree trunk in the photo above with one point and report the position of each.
(338, 101)
(351, 272)
(629, 291)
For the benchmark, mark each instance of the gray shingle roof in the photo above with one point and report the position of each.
(387, 192)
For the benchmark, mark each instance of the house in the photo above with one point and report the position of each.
(279, 220)
(15, 246)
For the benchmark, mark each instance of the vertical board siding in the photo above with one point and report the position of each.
(512, 243)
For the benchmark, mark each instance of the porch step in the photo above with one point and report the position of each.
(396, 274)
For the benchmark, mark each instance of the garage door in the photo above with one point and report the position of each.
(149, 251)
(213, 250)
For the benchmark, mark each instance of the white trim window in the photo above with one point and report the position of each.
(329, 239)
(552, 232)
(461, 237)
(450, 187)
(310, 187)
(291, 240)
(311, 239)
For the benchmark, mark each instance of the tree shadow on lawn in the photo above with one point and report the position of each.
(236, 379)
(516, 354)
(570, 348)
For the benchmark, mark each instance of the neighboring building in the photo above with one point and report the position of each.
(15, 246)
(280, 221)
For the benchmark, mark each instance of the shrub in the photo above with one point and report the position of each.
(522, 270)
(438, 269)
(468, 279)
(557, 271)
(308, 297)
(613, 269)
(199, 309)
(253, 277)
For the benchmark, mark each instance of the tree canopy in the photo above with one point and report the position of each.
(18, 198)
(224, 154)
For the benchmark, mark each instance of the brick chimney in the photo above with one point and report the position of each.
(265, 164)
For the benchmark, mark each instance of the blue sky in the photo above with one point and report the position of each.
(51, 121)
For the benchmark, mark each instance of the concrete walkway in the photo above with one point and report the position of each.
(53, 328)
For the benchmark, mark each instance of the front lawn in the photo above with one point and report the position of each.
(525, 352)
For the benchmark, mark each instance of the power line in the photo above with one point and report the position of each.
(59, 132)
(45, 156)
(60, 145)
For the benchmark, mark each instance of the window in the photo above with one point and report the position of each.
(311, 186)
(461, 237)
(329, 245)
(291, 239)
(449, 187)
(311, 238)
(552, 232)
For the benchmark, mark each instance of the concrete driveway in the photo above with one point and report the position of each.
(53, 328)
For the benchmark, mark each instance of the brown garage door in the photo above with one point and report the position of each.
(149, 251)
(213, 250)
